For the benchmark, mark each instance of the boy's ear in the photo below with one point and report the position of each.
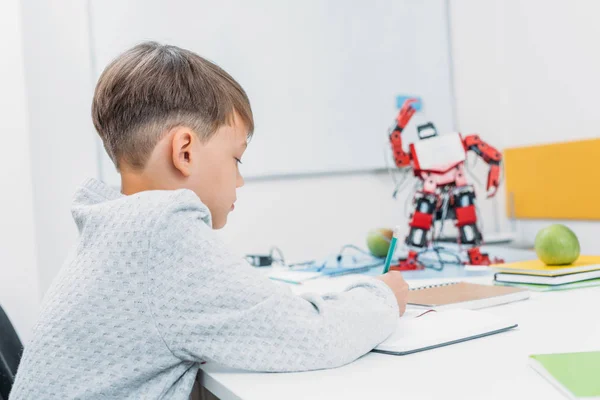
(181, 144)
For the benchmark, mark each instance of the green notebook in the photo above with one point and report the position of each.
(550, 288)
(574, 374)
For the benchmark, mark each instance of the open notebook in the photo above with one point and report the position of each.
(424, 331)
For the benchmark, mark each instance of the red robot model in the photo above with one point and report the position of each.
(439, 162)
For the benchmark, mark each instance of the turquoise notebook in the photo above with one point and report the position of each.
(576, 375)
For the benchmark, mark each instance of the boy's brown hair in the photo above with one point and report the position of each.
(152, 88)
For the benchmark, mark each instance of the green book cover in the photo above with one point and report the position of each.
(576, 374)
(551, 288)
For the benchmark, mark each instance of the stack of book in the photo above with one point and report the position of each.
(535, 275)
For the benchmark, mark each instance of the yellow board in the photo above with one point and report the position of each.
(536, 267)
(555, 181)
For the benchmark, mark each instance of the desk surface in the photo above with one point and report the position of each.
(494, 367)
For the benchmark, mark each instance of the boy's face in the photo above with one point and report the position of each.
(215, 174)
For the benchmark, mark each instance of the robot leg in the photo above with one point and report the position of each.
(466, 221)
(420, 225)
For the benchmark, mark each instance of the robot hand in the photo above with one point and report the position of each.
(401, 157)
(406, 113)
(493, 180)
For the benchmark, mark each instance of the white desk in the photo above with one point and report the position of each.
(494, 367)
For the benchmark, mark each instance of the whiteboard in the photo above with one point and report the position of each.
(322, 76)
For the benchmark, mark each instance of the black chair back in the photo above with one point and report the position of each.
(11, 350)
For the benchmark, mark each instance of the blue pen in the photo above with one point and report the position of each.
(392, 250)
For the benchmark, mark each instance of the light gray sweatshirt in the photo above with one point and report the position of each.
(150, 292)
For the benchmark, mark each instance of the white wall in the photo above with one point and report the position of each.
(526, 72)
(49, 145)
(311, 216)
(59, 95)
(19, 294)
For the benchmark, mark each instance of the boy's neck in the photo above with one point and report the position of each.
(155, 175)
(132, 183)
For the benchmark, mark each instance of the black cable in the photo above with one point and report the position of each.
(277, 250)
(353, 247)
(437, 250)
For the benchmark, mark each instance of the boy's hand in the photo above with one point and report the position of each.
(398, 285)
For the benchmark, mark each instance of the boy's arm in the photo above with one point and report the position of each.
(210, 306)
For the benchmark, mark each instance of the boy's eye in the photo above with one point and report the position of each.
(238, 160)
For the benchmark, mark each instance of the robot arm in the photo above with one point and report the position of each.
(491, 156)
(401, 157)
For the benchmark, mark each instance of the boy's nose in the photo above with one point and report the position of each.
(240, 180)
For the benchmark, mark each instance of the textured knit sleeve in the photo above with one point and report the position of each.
(209, 305)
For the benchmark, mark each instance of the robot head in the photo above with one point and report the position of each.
(426, 131)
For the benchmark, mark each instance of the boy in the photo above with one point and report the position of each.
(150, 292)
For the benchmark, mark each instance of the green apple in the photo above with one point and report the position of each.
(557, 245)
(378, 241)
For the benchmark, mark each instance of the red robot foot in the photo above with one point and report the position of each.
(408, 264)
(476, 257)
